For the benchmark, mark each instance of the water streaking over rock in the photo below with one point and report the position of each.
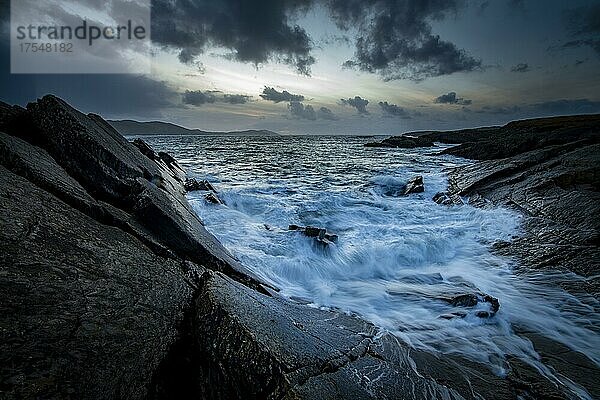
(400, 261)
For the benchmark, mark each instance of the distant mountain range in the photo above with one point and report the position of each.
(130, 127)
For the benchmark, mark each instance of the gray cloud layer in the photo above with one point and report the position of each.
(583, 24)
(357, 102)
(451, 98)
(273, 95)
(521, 67)
(326, 113)
(301, 111)
(393, 110)
(200, 97)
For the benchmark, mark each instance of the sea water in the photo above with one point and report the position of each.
(397, 256)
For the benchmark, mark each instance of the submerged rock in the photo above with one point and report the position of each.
(414, 185)
(470, 300)
(320, 234)
(464, 300)
(213, 198)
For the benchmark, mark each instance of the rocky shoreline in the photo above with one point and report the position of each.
(113, 288)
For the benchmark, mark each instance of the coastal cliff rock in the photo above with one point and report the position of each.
(112, 288)
(557, 190)
(497, 142)
(405, 142)
(100, 256)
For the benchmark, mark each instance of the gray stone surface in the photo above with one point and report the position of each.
(556, 190)
(267, 347)
(88, 311)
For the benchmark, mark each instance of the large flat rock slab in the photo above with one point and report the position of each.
(267, 347)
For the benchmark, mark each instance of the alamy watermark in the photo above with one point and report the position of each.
(80, 36)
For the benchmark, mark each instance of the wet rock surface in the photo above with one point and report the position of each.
(100, 256)
(320, 234)
(447, 199)
(470, 300)
(213, 198)
(414, 185)
(553, 181)
(113, 289)
(192, 184)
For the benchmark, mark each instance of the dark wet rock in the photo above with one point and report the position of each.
(464, 300)
(321, 234)
(192, 184)
(167, 158)
(414, 185)
(556, 190)
(213, 198)
(495, 304)
(452, 315)
(89, 311)
(548, 170)
(447, 199)
(518, 137)
(257, 346)
(145, 149)
(470, 300)
(406, 142)
(95, 257)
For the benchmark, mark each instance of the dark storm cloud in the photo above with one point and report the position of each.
(583, 24)
(199, 97)
(451, 98)
(393, 110)
(357, 102)
(273, 95)
(299, 110)
(584, 20)
(254, 31)
(516, 4)
(326, 113)
(593, 43)
(395, 38)
(482, 7)
(521, 67)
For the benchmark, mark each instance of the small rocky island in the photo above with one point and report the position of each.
(112, 288)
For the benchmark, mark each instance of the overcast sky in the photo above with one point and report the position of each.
(345, 66)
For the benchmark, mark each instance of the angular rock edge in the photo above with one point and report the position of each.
(113, 289)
